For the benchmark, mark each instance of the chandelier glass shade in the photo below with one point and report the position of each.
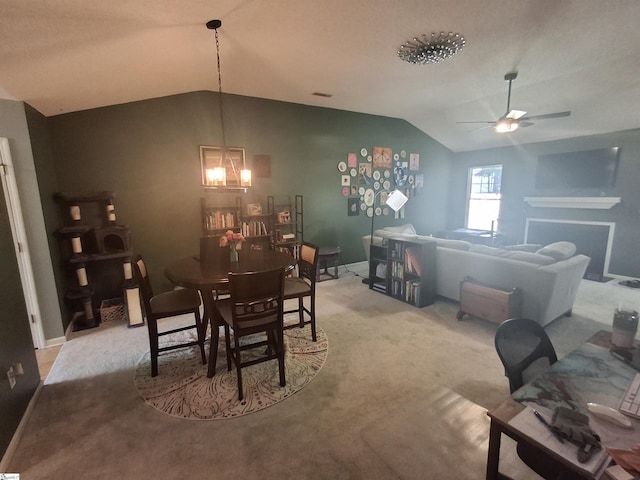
(424, 50)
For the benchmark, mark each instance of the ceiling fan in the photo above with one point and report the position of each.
(514, 119)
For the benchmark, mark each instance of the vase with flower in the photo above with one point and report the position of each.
(234, 241)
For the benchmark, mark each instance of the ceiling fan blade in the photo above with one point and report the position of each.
(525, 124)
(480, 121)
(516, 114)
(548, 115)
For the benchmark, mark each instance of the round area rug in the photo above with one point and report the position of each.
(182, 388)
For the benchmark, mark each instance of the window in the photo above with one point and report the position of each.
(483, 199)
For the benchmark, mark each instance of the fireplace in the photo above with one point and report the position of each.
(593, 239)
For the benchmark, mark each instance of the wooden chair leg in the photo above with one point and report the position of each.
(153, 345)
(201, 336)
(213, 350)
(280, 347)
(227, 341)
(301, 311)
(238, 360)
(312, 314)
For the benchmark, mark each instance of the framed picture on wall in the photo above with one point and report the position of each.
(414, 162)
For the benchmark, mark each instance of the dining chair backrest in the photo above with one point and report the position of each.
(142, 275)
(256, 298)
(308, 261)
(524, 349)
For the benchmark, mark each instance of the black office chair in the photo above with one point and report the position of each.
(253, 311)
(525, 350)
(523, 346)
(164, 305)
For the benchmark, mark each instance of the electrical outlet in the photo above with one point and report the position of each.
(12, 377)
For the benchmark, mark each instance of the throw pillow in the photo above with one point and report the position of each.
(529, 257)
(559, 250)
(524, 247)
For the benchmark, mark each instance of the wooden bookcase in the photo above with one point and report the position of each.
(279, 226)
(405, 270)
(217, 219)
(287, 214)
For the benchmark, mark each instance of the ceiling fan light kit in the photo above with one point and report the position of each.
(425, 50)
(514, 119)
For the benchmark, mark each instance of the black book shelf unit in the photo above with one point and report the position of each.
(405, 270)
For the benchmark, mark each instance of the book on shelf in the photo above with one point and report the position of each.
(412, 292)
(219, 220)
(254, 228)
(411, 257)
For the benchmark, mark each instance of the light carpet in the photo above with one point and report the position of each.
(388, 361)
(183, 390)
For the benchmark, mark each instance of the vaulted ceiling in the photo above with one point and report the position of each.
(577, 55)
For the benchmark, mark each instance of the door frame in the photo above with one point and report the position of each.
(21, 245)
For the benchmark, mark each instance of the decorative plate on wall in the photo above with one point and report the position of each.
(403, 153)
(353, 172)
(370, 212)
(361, 190)
(396, 156)
(385, 211)
(363, 207)
(376, 186)
(376, 175)
(342, 166)
(387, 173)
(369, 158)
(363, 152)
(378, 211)
(386, 185)
(369, 197)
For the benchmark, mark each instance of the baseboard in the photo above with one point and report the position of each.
(54, 342)
(17, 435)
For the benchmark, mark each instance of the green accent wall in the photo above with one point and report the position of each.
(147, 153)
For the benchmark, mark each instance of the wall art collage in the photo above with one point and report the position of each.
(367, 179)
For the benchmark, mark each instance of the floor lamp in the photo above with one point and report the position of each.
(395, 201)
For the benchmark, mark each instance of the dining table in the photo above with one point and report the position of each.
(211, 278)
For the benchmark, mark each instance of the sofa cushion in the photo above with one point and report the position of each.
(559, 250)
(402, 229)
(484, 249)
(524, 247)
(453, 244)
(528, 257)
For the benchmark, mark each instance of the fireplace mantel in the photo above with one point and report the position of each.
(601, 203)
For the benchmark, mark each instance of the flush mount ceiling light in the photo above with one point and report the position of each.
(424, 50)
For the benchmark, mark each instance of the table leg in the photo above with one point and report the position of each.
(211, 318)
(493, 454)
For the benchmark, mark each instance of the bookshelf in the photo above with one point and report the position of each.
(256, 225)
(405, 270)
(287, 214)
(279, 226)
(217, 219)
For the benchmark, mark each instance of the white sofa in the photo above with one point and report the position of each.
(548, 276)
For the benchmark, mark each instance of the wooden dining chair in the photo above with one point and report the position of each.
(303, 286)
(165, 305)
(254, 309)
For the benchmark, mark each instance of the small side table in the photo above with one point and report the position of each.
(327, 257)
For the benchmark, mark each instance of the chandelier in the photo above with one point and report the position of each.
(217, 176)
(424, 50)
